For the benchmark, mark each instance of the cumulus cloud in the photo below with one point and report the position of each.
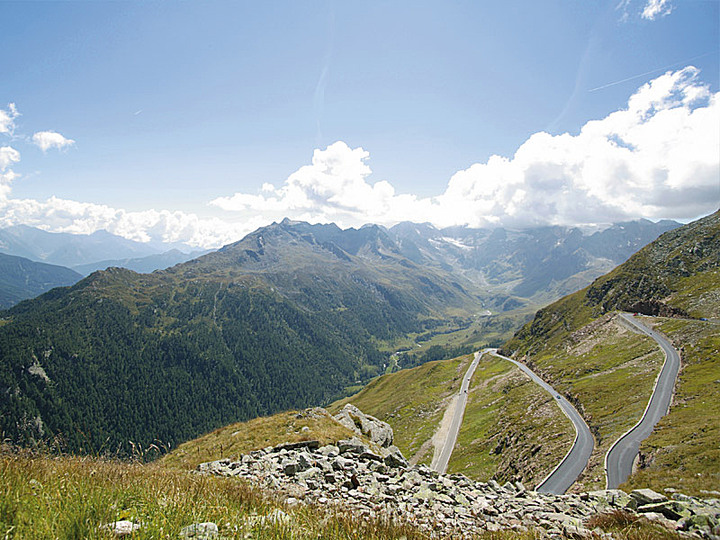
(7, 119)
(8, 156)
(50, 139)
(656, 158)
(656, 8)
(62, 215)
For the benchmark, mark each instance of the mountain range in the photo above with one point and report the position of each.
(538, 264)
(541, 263)
(70, 250)
(288, 316)
(512, 430)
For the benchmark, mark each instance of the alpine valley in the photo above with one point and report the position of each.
(213, 363)
(292, 315)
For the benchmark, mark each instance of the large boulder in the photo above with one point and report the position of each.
(647, 496)
(376, 430)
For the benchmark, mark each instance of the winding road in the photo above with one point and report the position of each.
(574, 462)
(621, 456)
(567, 471)
(619, 459)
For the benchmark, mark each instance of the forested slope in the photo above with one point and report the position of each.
(283, 319)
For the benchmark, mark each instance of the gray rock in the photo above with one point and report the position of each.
(446, 506)
(311, 445)
(352, 446)
(303, 461)
(341, 463)
(395, 459)
(123, 527)
(673, 510)
(311, 473)
(329, 450)
(376, 430)
(290, 467)
(613, 497)
(200, 531)
(370, 456)
(647, 496)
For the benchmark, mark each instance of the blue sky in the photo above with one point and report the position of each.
(180, 113)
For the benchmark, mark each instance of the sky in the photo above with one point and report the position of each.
(198, 122)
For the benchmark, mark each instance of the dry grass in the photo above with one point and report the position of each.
(242, 437)
(45, 497)
(65, 497)
(626, 526)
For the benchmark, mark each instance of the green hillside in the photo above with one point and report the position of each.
(582, 348)
(684, 450)
(512, 430)
(412, 401)
(675, 274)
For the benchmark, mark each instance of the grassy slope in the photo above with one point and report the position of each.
(243, 437)
(70, 497)
(683, 451)
(609, 371)
(412, 401)
(512, 429)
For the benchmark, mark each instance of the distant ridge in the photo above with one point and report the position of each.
(22, 278)
(675, 274)
(72, 249)
(141, 265)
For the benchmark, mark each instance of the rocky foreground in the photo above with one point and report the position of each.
(377, 482)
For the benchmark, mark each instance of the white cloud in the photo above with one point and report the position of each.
(656, 158)
(62, 215)
(7, 119)
(50, 139)
(656, 8)
(8, 156)
(333, 188)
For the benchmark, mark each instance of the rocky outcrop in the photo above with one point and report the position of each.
(376, 430)
(349, 476)
(655, 308)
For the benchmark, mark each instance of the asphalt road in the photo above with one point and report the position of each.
(619, 459)
(575, 461)
(451, 439)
